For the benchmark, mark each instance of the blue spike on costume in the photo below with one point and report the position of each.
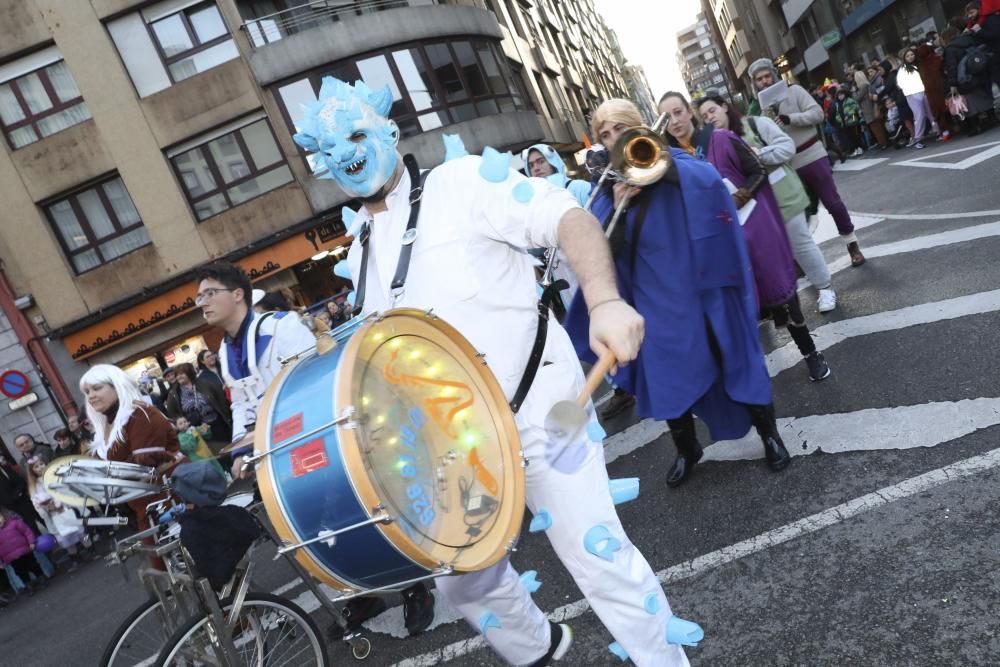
(619, 652)
(488, 620)
(351, 296)
(624, 490)
(685, 633)
(341, 270)
(601, 543)
(596, 432)
(530, 581)
(523, 192)
(495, 166)
(349, 217)
(651, 603)
(541, 521)
(454, 147)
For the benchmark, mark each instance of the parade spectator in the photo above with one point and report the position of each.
(910, 82)
(894, 92)
(798, 114)
(28, 446)
(767, 241)
(334, 311)
(975, 89)
(984, 23)
(201, 402)
(208, 368)
(930, 64)
(775, 149)
(867, 99)
(79, 428)
(845, 114)
(61, 521)
(17, 546)
(272, 302)
(192, 441)
(66, 443)
(14, 493)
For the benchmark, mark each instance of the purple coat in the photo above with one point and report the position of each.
(15, 539)
(767, 240)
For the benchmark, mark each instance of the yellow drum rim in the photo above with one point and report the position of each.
(512, 512)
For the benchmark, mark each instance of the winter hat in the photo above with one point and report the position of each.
(763, 64)
(198, 483)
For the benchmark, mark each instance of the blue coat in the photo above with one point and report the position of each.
(690, 268)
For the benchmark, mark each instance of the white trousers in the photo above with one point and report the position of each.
(571, 485)
(807, 253)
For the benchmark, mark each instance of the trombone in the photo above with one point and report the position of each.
(639, 157)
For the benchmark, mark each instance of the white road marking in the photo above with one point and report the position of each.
(829, 335)
(901, 427)
(930, 216)
(859, 164)
(915, 244)
(726, 555)
(826, 228)
(927, 161)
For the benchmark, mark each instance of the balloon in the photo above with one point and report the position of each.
(45, 543)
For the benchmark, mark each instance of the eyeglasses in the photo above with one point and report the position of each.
(202, 297)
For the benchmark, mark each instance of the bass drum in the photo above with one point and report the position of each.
(392, 457)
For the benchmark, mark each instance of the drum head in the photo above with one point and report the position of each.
(435, 442)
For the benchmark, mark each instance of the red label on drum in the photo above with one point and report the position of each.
(310, 456)
(287, 428)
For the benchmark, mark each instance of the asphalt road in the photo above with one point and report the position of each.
(874, 551)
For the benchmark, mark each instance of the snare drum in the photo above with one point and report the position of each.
(393, 457)
(83, 481)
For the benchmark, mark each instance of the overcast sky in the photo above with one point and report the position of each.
(647, 30)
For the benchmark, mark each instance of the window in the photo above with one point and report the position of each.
(170, 41)
(97, 224)
(38, 98)
(235, 164)
(433, 85)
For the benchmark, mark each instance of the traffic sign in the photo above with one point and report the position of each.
(23, 402)
(13, 384)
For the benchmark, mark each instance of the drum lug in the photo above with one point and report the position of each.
(511, 546)
(346, 418)
(482, 356)
(429, 313)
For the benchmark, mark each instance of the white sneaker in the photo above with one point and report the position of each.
(826, 301)
(857, 152)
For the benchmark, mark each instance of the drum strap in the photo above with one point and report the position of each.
(549, 295)
(417, 181)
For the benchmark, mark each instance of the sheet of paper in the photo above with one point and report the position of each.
(775, 176)
(744, 213)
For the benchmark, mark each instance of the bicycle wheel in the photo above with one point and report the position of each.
(139, 638)
(269, 631)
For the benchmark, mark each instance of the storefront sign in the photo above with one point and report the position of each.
(830, 39)
(180, 300)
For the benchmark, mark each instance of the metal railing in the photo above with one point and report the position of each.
(274, 27)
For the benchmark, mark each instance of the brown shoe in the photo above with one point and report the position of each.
(857, 259)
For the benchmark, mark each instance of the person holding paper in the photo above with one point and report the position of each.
(760, 215)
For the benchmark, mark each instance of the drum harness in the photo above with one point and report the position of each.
(545, 302)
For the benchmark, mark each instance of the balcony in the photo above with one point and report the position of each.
(546, 60)
(864, 13)
(279, 25)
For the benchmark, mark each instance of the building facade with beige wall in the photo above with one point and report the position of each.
(144, 139)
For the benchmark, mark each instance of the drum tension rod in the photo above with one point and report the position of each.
(442, 571)
(326, 536)
(345, 420)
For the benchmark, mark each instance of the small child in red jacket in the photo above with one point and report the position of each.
(17, 546)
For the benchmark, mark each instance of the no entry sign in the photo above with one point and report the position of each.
(13, 384)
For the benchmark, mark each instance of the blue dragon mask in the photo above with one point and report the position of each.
(349, 131)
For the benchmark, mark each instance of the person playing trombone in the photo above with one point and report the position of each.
(682, 262)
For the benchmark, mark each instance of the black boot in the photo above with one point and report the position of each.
(688, 449)
(767, 428)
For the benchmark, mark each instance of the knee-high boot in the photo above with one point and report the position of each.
(688, 449)
(767, 428)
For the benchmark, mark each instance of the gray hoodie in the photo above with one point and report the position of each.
(803, 111)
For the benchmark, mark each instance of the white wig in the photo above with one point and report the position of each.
(127, 391)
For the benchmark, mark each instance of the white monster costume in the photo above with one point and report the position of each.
(468, 264)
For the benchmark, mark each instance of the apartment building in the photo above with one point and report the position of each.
(144, 139)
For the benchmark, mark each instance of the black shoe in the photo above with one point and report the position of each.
(818, 368)
(618, 404)
(857, 257)
(356, 612)
(766, 426)
(418, 609)
(689, 452)
(562, 639)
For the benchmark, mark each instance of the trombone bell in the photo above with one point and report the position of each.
(641, 156)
